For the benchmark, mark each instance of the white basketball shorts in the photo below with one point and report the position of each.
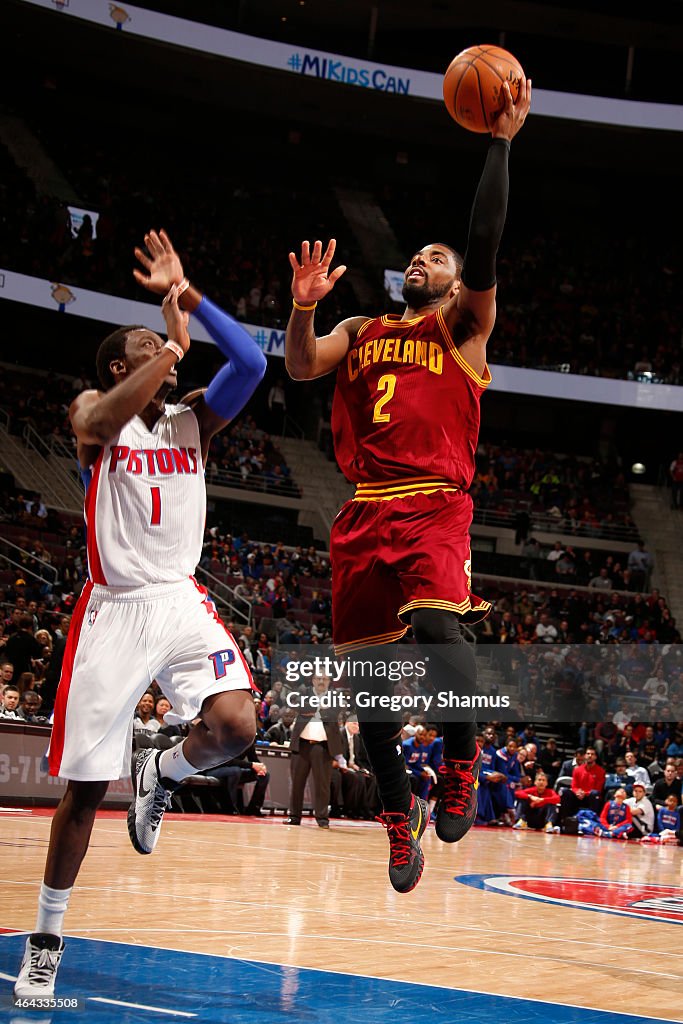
(119, 641)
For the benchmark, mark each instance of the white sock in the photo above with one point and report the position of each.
(52, 904)
(174, 765)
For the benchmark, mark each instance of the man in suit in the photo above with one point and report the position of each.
(315, 742)
(359, 787)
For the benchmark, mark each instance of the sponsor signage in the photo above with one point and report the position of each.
(23, 770)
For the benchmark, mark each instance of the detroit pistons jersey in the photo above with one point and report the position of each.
(145, 504)
(406, 404)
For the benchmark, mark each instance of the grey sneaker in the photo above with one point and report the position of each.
(39, 966)
(152, 797)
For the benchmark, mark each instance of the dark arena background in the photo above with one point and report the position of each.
(242, 128)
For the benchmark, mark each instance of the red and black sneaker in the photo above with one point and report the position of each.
(406, 859)
(458, 806)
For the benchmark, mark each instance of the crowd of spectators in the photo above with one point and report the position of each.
(612, 310)
(30, 400)
(619, 676)
(588, 567)
(565, 565)
(578, 496)
(233, 237)
(591, 681)
(524, 782)
(244, 455)
(626, 783)
(288, 585)
(524, 616)
(609, 309)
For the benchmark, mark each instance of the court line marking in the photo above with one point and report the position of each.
(362, 940)
(288, 851)
(119, 1002)
(280, 850)
(320, 854)
(139, 1006)
(286, 908)
(271, 968)
(248, 933)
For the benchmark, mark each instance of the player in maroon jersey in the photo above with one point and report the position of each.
(405, 421)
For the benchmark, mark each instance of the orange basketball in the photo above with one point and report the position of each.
(473, 85)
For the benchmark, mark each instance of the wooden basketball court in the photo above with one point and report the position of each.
(263, 899)
(504, 923)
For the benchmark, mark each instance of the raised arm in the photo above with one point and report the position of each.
(235, 382)
(471, 314)
(307, 356)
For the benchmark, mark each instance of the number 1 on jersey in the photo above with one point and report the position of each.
(156, 507)
(386, 383)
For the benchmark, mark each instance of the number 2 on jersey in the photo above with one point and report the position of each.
(386, 383)
(156, 507)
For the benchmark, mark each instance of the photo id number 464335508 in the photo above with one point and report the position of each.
(48, 1003)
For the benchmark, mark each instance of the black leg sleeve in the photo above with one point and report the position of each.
(383, 744)
(452, 669)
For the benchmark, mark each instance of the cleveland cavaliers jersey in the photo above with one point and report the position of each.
(145, 504)
(406, 403)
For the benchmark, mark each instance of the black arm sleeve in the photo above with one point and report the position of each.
(487, 219)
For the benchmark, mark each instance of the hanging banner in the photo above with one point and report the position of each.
(333, 67)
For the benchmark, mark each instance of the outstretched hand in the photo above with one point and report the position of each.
(513, 115)
(161, 262)
(311, 278)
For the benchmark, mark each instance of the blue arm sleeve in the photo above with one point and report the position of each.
(234, 383)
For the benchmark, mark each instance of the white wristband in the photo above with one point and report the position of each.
(176, 290)
(175, 349)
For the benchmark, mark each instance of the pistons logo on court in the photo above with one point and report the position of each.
(221, 660)
(628, 899)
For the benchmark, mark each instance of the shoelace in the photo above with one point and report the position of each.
(159, 804)
(43, 966)
(458, 784)
(399, 837)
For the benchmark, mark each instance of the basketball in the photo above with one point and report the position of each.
(473, 85)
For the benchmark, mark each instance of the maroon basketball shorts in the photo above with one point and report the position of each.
(396, 547)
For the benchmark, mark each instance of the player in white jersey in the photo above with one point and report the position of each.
(142, 615)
